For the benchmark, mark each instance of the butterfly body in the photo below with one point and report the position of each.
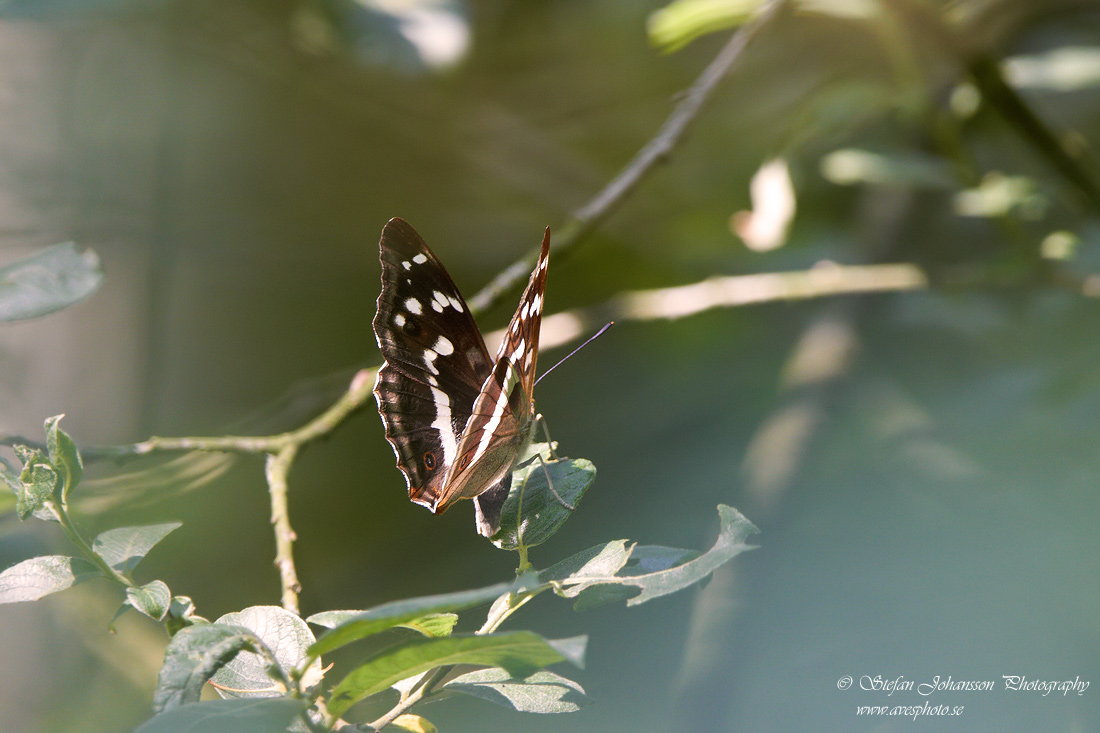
(458, 420)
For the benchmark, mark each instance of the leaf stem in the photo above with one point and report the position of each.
(61, 513)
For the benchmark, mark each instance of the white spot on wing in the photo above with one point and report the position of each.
(442, 423)
(420, 259)
(443, 346)
(399, 320)
(436, 306)
(413, 305)
(429, 361)
(406, 264)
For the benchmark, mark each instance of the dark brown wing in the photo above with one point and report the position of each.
(435, 361)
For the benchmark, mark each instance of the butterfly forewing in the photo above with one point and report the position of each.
(435, 360)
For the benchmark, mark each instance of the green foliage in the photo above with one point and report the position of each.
(434, 624)
(36, 484)
(123, 548)
(48, 281)
(40, 576)
(195, 654)
(284, 635)
(519, 652)
(541, 692)
(362, 624)
(681, 22)
(63, 455)
(45, 476)
(227, 716)
(152, 599)
(532, 513)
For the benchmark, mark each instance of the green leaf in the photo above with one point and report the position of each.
(520, 652)
(850, 166)
(227, 716)
(48, 281)
(595, 562)
(284, 635)
(124, 547)
(600, 595)
(733, 530)
(542, 692)
(646, 559)
(37, 482)
(672, 571)
(181, 614)
(40, 576)
(531, 513)
(681, 22)
(193, 656)
(152, 599)
(364, 623)
(434, 625)
(64, 455)
(414, 723)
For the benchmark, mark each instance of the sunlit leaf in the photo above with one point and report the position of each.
(227, 716)
(40, 576)
(409, 36)
(998, 195)
(541, 692)
(193, 656)
(63, 454)
(601, 561)
(520, 652)
(37, 483)
(682, 21)
(124, 547)
(47, 281)
(181, 614)
(414, 723)
(435, 625)
(658, 571)
(283, 634)
(532, 513)
(364, 623)
(1063, 69)
(909, 169)
(652, 558)
(152, 599)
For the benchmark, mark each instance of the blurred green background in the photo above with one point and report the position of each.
(923, 466)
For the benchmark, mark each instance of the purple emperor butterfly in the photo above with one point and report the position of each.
(458, 420)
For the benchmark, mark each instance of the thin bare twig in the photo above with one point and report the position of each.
(281, 449)
(656, 150)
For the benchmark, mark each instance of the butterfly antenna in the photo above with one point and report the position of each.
(574, 351)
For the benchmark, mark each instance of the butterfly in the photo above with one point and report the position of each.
(459, 421)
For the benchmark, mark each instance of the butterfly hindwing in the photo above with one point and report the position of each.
(503, 414)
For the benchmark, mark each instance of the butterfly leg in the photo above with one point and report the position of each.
(550, 483)
(546, 432)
